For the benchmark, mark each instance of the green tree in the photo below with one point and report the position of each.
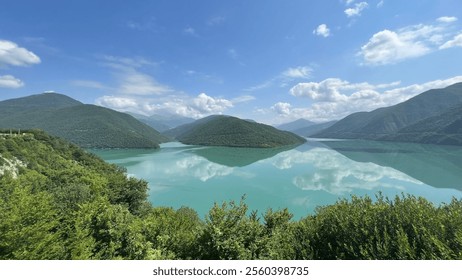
(28, 223)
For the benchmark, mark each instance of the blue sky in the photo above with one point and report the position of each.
(272, 61)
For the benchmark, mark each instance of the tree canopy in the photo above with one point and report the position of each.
(58, 201)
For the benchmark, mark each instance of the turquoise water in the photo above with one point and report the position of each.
(314, 174)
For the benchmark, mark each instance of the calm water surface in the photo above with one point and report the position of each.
(314, 174)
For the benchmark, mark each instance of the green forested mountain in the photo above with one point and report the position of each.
(380, 123)
(234, 132)
(84, 125)
(185, 128)
(444, 128)
(58, 201)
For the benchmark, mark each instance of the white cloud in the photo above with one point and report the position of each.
(455, 42)
(447, 19)
(288, 75)
(322, 30)
(282, 108)
(387, 47)
(356, 11)
(8, 81)
(243, 98)
(131, 80)
(327, 90)
(301, 72)
(196, 107)
(118, 103)
(139, 92)
(12, 54)
(349, 2)
(208, 105)
(137, 83)
(380, 4)
(334, 98)
(393, 46)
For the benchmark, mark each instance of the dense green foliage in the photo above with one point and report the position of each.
(60, 202)
(234, 132)
(84, 125)
(425, 118)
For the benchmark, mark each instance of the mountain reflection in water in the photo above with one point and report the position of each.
(313, 174)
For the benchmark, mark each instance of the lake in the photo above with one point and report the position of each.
(316, 173)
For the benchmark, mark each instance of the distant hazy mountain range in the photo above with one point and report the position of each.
(234, 132)
(305, 127)
(85, 125)
(434, 116)
(162, 123)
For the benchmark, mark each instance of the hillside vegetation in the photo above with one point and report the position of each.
(234, 132)
(88, 126)
(58, 201)
(444, 128)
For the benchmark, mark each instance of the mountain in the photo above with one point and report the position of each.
(88, 126)
(233, 132)
(185, 128)
(163, 123)
(313, 129)
(444, 128)
(298, 124)
(48, 100)
(382, 122)
(305, 128)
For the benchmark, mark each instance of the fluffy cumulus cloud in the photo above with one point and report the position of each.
(356, 10)
(389, 47)
(208, 105)
(8, 81)
(196, 107)
(12, 54)
(282, 108)
(335, 98)
(322, 30)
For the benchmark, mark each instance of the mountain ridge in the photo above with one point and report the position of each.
(219, 130)
(379, 124)
(88, 126)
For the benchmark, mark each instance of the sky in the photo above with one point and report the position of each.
(273, 61)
